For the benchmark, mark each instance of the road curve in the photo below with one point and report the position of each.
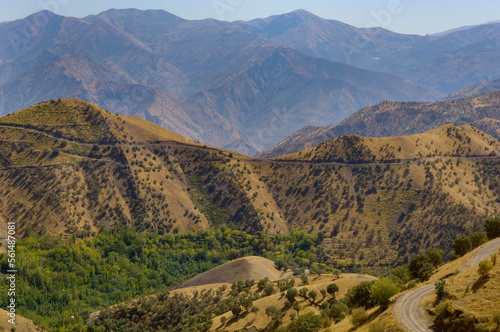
(408, 308)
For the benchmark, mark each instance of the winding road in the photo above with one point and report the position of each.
(408, 308)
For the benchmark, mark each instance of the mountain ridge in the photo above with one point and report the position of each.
(186, 62)
(393, 118)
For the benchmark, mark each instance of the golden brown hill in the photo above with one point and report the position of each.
(211, 305)
(77, 120)
(369, 214)
(446, 141)
(246, 268)
(22, 324)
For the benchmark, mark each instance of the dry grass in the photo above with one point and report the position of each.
(470, 293)
(447, 140)
(22, 324)
(246, 268)
(259, 320)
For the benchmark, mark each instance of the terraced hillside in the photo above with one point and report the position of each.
(71, 168)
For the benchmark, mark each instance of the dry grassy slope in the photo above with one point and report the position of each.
(490, 126)
(22, 324)
(246, 268)
(467, 291)
(445, 141)
(135, 173)
(472, 294)
(260, 320)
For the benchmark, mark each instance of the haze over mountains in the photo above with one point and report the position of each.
(244, 86)
(401, 118)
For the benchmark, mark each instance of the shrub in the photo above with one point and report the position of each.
(440, 286)
(496, 318)
(478, 238)
(382, 290)
(492, 226)
(338, 311)
(462, 245)
(444, 308)
(484, 268)
(358, 316)
(376, 327)
(305, 323)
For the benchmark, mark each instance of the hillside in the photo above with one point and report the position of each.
(246, 268)
(476, 89)
(468, 302)
(202, 299)
(133, 203)
(393, 118)
(92, 169)
(445, 141)
(22, 324)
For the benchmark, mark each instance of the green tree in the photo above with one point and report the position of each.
(312, 295)
(420, 267)
(462, 245)
(492, 226)
(332, 289)
(338, 311)
(401, 273)
(484, 268)
(440, 288)
(303, 292)
(236, 310)
(478, 238)
(359, 296)
(435, 256)
(382, 290)
(306, 323)
(291, 294)
(247, 303)
(305, 280)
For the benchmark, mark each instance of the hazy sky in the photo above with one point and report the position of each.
(405, 16)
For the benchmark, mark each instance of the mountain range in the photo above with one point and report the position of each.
(396, 118)
(243, 86)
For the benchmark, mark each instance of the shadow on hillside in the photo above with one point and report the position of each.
(479, 284)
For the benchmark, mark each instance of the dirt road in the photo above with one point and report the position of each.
(409, 308)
